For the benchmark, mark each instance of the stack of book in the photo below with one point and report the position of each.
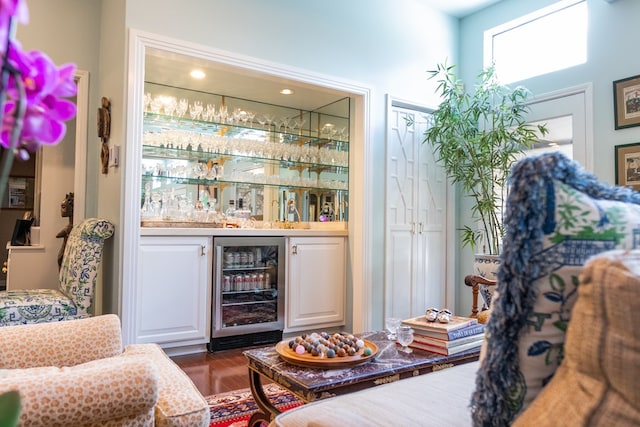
(461, 334)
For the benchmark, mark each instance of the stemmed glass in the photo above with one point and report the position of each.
(209, 112)
(170, 105)
(147, 102)
(391, 324)
(195, 110)
(251, 115)
(223, 113)
(329, 130)
(262, 120)
(269, 118)
(405, 337)
(298, 123)
(285, 122)
(182, 107)
(344, 134)
(244, 117)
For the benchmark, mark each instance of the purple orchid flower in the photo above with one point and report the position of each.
(34, 83)
(45, 87)
(11, 9)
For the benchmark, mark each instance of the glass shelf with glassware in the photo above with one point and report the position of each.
(242, 159)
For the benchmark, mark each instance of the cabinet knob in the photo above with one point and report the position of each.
(5, 268)
(294, 249)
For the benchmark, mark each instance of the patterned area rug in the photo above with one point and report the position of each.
(233, 409)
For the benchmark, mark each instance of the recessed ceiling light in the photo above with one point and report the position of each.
(197, 74)
(286, 92)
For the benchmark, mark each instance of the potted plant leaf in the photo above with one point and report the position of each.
(477, 137)
(9, 409)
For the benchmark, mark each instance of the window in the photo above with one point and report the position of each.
(550, 39)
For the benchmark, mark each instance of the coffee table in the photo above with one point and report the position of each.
(311, 384)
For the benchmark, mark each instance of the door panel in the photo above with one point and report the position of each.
(415, 220)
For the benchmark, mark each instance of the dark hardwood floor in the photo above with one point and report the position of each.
(216, 372)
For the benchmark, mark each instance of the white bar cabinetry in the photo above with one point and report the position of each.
(173, 296)
(316, 283)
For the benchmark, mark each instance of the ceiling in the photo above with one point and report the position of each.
(460, 8)
(173, 70)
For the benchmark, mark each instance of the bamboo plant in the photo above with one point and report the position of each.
(477, 137)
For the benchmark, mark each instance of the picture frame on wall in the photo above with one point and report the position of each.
(628, 165)
(626, 102)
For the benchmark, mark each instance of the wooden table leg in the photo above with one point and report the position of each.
(267, 410)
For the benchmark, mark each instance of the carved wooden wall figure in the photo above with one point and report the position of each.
(104, 132)
(66, 210)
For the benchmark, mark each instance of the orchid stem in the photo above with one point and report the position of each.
(7, 71)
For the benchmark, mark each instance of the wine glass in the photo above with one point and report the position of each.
(285, 122)
(195, 110)
(329, 130)
(391, 324)
(147, 102)
(251, 115)
(298, 122)
(405, 337)
(182, 107)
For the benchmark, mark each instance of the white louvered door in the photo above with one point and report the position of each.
(415, 220)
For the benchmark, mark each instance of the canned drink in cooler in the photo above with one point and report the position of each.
(244, 259)
(238, 283)
(260, 284)
(228, 260)
(267, 280)
(254, 281)
(226, 284)
(247, 282)
(236, 259)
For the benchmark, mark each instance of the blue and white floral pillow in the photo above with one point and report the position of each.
(557, 217)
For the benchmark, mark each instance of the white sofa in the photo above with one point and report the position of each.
(438, 399)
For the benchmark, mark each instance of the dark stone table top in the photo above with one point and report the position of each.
(389, 365)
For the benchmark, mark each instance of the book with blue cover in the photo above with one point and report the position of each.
(459, 327)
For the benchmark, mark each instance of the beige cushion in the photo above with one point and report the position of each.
(180, 404)
(64, 343)
(94, 393)
(437, 399)
(597, 382)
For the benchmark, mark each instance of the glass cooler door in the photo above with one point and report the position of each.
(249, 285)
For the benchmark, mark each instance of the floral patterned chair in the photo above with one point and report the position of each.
(74, 297)
(77, 373)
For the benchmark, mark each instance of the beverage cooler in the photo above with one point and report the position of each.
(248, 292)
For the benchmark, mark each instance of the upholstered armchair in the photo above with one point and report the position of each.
(76, 373)
(74, 298)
